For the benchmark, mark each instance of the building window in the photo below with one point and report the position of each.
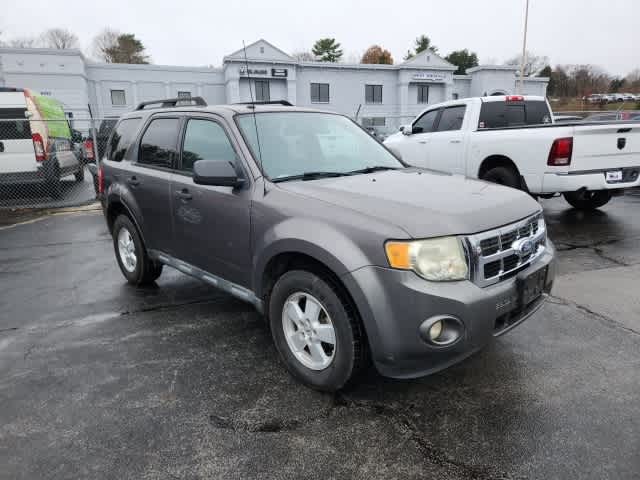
(184, 94)
(423, 93)
(373, 121)
(118, 97)
(373, 93)
(262, 90)
(455, 96)
(319, 93)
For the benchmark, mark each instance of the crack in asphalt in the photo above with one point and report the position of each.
(596, 247)
(56, 244)
(397, 416)
(10, 329)
(568, 303)
(167, 306)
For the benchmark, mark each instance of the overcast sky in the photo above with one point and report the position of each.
(189, 32)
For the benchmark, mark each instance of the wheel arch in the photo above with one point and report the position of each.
(493, 161)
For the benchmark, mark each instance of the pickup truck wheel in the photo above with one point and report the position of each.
(134, 263)
(587, 200)
(318, 335)
(503, 176)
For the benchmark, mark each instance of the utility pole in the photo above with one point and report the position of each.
(523, 58)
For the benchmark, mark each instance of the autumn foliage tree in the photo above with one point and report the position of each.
(376, 54)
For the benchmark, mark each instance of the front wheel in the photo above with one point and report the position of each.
(316, 331)
(587, 200)
(135, 264)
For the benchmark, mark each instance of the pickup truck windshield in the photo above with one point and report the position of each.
(295, 143)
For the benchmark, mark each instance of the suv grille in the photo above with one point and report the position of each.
(501, 253)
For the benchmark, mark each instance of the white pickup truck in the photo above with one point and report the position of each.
(513, 140)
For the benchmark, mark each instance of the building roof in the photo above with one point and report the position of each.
(428, 58)
(491, 67)
(260, 50)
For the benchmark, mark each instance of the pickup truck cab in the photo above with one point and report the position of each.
(513, 140)
(350, 254)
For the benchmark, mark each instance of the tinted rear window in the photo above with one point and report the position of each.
(159, 143)
(512, 114)
(122, 138)
(12, 127)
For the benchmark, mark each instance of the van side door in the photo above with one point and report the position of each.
(211, 224)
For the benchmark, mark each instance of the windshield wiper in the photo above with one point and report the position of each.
(377, 168)
(310, 176)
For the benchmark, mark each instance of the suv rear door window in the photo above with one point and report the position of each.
(158, 146)
(122, 138)
(205, 140)
(12, 125)
(426, 122)
(451, 118)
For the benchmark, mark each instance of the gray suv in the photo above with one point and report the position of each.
(351, 255)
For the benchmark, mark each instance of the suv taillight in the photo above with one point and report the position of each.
(100, 179)
(38, 147)
(88, 149)
(560, 153)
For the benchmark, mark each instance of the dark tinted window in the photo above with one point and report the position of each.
(262, 91)
(122, 137)
(373, 93)
(205, 140)
(423, 93)
(451, 118)
(425, 123)
(12, 127)
(320, 92)
(158, 145)
(510, 114)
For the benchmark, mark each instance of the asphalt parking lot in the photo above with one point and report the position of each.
(102, 380)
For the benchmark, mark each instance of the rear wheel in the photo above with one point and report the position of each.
(506, 176)
(134, 263)
(587, 200)
(317, 333)
(80, 174)
(53, 185)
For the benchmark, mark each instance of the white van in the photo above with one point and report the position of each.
(35, 141)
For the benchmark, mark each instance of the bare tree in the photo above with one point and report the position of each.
(23, 42)
(533, 63)
(59, 38)
(304, 56)
(103, 43)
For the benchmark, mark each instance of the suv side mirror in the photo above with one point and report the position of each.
(218, 173)
(406, 129)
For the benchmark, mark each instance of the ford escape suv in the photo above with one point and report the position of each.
(351, 255)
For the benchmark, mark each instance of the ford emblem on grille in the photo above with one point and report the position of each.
(523, 247)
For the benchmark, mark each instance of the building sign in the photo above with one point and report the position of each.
(279, 72)
(253, 71)
(430, 76)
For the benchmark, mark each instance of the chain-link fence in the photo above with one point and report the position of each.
(49, 163)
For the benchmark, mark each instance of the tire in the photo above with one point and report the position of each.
(506, 176)
(587, 200)
(342, 360)
(53, 185)
(80, 174)
(131, 254)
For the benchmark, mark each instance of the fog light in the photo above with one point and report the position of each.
(435, 330)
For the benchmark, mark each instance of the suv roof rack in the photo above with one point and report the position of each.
(173, 102)
(284, 103)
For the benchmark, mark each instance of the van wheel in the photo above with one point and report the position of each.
(503, 176)
(587, 200)
(80, 174)
(318, 335)
(53, 185)
(134, 263)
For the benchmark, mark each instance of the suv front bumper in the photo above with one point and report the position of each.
(394, 303)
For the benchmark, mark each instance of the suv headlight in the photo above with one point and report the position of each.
(436, 259)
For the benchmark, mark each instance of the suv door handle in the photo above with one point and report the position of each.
(133, 181)
(183, 194)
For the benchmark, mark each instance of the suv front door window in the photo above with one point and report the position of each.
(210, 223)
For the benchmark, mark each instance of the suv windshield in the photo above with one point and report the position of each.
(293, 144)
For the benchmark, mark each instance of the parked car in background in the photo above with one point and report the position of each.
(630, 97)
(36, 141)
(511, 140)
(350, 254)
(559, 118)
(596, 98)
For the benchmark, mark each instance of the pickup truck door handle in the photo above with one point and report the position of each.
(1, 147)
(455, 141)
(422, 141)
(133, 181)
(184, 194)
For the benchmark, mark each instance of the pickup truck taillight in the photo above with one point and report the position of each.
(38, 147)
(88, 149)
(100, 179)
(560, 153)
(514, 98)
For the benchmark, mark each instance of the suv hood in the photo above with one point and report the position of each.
(424, 203)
